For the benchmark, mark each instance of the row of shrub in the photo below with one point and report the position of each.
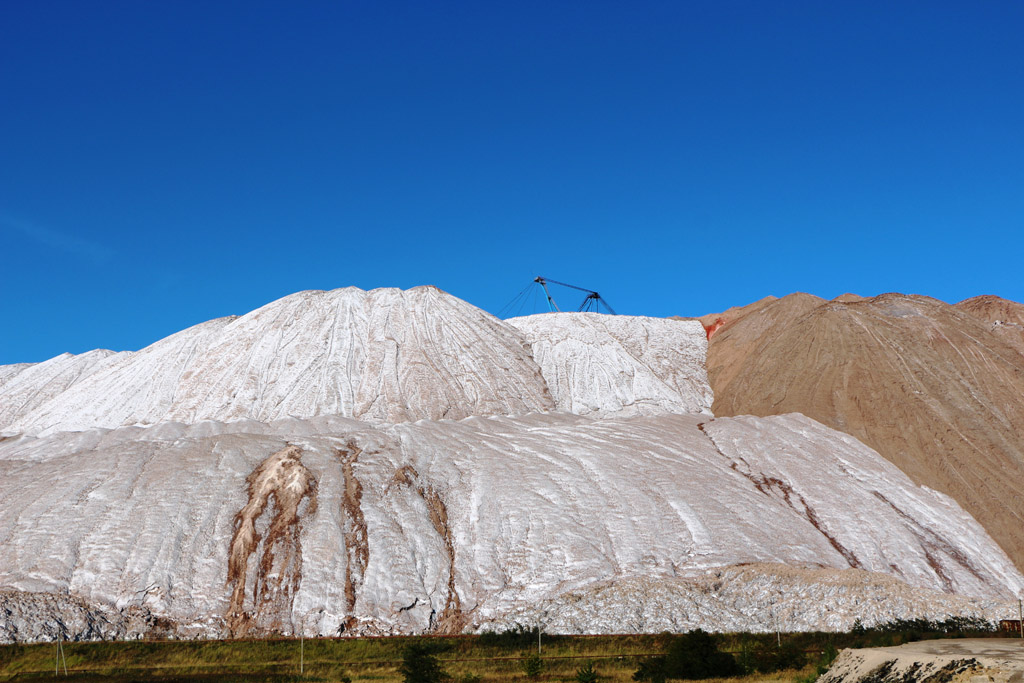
(517, 637)
(698, 655)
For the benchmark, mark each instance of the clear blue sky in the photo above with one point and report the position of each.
(164, 163)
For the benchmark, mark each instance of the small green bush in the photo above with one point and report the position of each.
(789, 656)
(827, 657)
(420, 665)
(652, 669)
(586, 674)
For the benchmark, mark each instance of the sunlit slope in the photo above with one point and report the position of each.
(1005, 318)
(931, 387)
(24, 388)
(604, 365)
(399, 461)
(253, 528)
(387, 355)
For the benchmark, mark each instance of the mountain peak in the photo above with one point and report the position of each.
(385, 355)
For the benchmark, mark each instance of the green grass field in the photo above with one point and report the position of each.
(492, 658)
(615, 658)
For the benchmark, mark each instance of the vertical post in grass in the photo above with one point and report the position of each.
(302, 645)
(1020, 617)
(775, 620)
(59, 656)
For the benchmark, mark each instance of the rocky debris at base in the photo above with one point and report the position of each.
(754, 598)
(967, 660)
(33, 617)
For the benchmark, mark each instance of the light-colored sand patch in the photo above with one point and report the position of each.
(967, 660)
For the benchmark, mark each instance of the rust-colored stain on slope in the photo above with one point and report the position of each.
(931, 544)
(710, 329)
(767, 485)
(452, 619)
(357, 547)
(280, 483)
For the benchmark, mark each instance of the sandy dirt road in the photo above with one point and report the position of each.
(968, 660)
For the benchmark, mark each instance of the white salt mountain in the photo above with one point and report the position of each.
(296, 472)
(383, 355)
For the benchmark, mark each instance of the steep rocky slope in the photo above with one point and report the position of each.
(760, 322)
(927, 385)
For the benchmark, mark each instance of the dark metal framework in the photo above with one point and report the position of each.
(591, 302)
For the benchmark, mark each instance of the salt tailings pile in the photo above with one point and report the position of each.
(395, 462)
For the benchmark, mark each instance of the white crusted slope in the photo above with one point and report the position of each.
(384, 355)
(439, 525)
(24, 390)
(620, 365)
(8, 372)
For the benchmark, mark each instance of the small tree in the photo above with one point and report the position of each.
(693, 655)
(533, 665)
(747, 659)
(420, 665)
(652, 669)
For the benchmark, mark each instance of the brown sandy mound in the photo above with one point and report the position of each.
(993, 309)
(928, 385)
(1005, 318)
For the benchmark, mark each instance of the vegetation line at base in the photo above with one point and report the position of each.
(486, 657)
